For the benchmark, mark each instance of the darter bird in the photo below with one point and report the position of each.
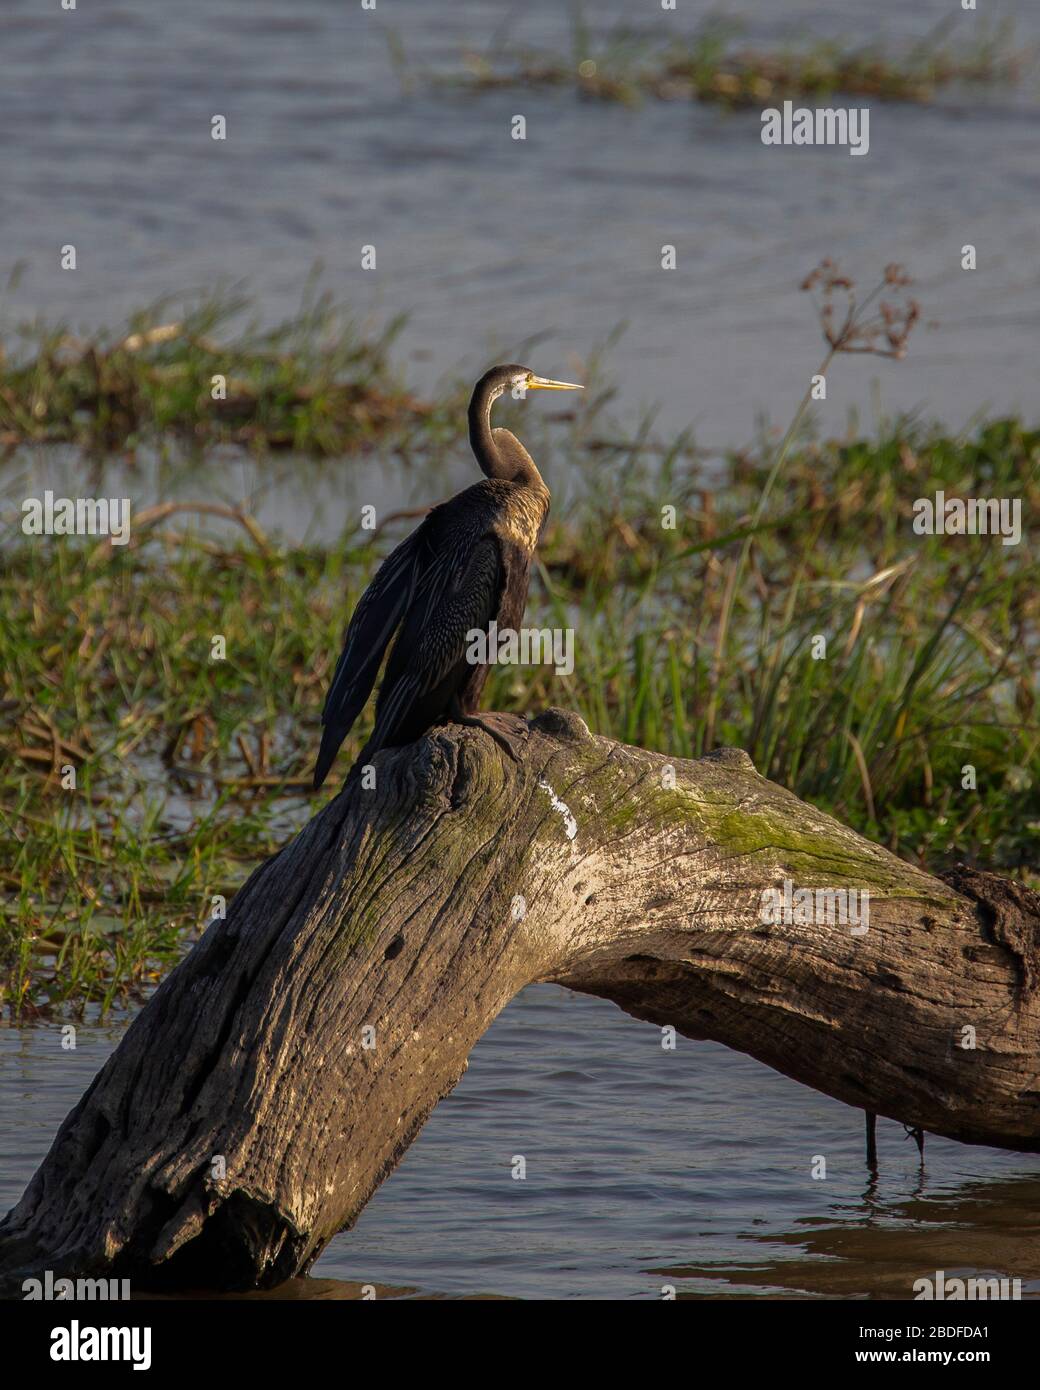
(467, 564)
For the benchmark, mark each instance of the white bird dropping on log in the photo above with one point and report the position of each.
(570, 825)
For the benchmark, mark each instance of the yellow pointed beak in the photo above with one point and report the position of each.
(543, 383)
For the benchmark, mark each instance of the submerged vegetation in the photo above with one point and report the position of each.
(314, 384)
(629, 65)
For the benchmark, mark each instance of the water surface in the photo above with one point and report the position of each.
(645, 1169)
(495, 248)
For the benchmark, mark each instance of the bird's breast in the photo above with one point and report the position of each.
(521, 519)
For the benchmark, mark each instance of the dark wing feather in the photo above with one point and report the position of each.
(376, 617)
(461, 593)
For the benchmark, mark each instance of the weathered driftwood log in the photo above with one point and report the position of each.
(280, 1072)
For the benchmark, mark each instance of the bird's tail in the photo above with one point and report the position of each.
(331, 738)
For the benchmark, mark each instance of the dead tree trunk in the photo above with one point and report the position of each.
(279, 1073)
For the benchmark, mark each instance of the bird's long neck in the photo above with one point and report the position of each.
(499, 453)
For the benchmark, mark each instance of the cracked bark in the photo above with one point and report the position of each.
(244, 1118)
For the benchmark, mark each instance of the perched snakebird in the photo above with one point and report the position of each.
(466, 565)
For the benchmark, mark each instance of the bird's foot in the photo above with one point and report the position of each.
(917, 1135)
(509, 731)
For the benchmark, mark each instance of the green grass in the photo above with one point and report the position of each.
(190, 770)
(201, 374)
(629, 65)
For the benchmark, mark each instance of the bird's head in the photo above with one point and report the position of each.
(499, 453)
(518, 381)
